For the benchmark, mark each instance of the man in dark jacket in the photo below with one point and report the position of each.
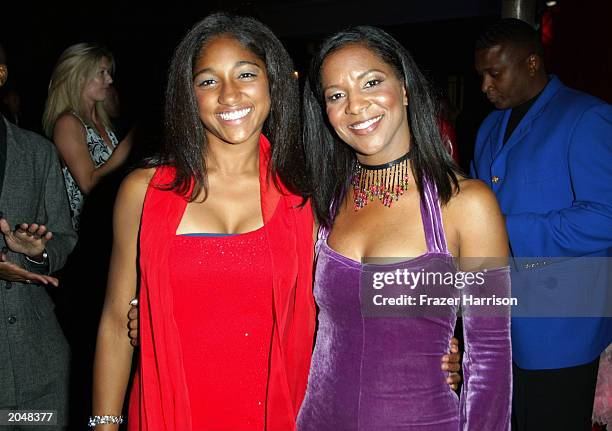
(37, 237)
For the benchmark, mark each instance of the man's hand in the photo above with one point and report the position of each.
(133, 322)
(29, 239)
(452, 364)
(10, 271)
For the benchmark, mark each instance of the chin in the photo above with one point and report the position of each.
(501, 105)
(382, 142)
(237, 138)
(368, 150)
(366, 146)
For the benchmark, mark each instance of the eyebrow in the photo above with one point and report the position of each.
(238, 64)
(360, 76)
(488, 69)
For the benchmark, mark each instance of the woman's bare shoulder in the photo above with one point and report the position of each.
(134, 188)
(473, 196)
(479, 221)
(140, 177)
(68, 123)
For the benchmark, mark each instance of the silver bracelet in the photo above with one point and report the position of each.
(45, 258)
(102, 420)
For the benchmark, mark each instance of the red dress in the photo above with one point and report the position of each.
(225, 356)
(178, 360)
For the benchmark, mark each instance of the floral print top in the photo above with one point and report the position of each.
(100, 153)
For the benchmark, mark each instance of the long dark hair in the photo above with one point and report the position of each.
(185, 140)
(331, 161)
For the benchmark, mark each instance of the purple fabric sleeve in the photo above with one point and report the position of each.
(487, 363)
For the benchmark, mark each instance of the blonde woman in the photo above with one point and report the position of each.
(77, 122)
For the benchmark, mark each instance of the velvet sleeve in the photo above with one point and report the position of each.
(487, 362)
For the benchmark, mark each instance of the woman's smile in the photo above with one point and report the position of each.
(367, 126)
(234, 116)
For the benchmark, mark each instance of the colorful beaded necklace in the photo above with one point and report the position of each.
(386, 182)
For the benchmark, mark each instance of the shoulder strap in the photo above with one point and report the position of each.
(432, 219)
(78, 117)
(324, 230)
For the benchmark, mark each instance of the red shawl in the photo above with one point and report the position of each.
(159, 399)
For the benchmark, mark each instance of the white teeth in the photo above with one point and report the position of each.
(234, 115)
(365, 124)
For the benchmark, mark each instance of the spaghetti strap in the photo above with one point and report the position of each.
(432, 219)
(79, 118)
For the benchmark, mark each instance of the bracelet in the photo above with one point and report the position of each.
(45, 259)
(102, 420)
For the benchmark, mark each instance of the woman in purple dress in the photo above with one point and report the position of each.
(387, 188)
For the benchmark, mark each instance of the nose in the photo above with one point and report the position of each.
(356, 104)
(109, 78)
(229, 94)
(486, 83)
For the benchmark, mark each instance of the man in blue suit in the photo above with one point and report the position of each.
(546, 152)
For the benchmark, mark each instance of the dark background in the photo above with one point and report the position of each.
(440, 34)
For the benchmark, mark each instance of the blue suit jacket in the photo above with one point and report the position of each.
(553, 181)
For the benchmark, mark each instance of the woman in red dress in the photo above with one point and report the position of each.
(219, 241)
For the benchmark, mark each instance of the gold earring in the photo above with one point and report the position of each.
(3, 74)
(532, 65)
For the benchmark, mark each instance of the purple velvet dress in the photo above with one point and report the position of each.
(383, 373)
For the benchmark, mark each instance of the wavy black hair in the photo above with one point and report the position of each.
(331, 161)
(184, 138)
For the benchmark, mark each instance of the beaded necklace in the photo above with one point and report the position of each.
(386, 182)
